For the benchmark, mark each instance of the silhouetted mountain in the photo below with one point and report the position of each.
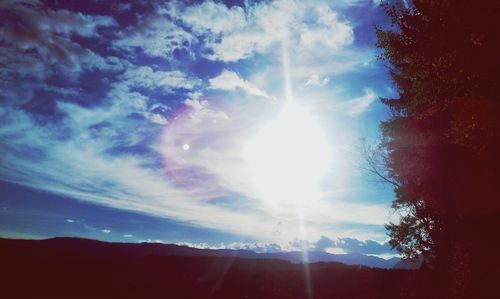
(79, 268)
(320, 256)
(409, 264)
(89, 248)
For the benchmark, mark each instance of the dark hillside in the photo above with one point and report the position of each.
(69, 268)
(90, 248)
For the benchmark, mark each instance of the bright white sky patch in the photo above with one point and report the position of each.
(288, 158)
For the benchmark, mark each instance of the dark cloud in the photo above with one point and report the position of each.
(37, 43)
(31, 29)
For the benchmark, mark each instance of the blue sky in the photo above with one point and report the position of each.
(130, 121)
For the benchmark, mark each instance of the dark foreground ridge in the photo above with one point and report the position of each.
(86, 247)
(80, 268)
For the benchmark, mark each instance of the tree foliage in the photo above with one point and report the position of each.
(442, 139)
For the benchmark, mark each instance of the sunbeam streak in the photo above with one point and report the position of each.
(288, 158)
(302, 152)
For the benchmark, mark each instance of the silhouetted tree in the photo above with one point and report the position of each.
(412, 235)
(442, 139)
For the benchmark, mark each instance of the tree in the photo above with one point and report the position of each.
(443, 137)
(412, 236)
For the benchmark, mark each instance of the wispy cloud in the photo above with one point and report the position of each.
(359, 105)
(228, 80)
(315, 80)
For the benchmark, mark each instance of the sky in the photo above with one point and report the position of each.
(215, 124)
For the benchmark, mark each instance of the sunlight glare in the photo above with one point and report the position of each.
(288, 157)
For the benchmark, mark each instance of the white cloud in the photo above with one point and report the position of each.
(231, 35)
(266, 25)
(146, 77)
(362, 104)
(228, 80)
(259, 247)
(151, 241)
(352, 245)
(124, 100)
(315, 80)
(155, 35)
(202, 112)
(213, 17)
(335, 250)
(157, 118)
(328, 31)
(106, 231)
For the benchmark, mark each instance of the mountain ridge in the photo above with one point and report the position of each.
(83, 247)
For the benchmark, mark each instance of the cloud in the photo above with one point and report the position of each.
(328, 31)
(214, 18)
(80, 167)
(48, 32)
(146, 77)
(106, 231)
(325, 244)
(259, 247)
(355, 107)
(38, 43)
(360, 105)
(352, 245)
(155, 35)
(228, 80)
(231, 34)
(151, 241)
(315, 80)
(200, 111)
(130, 94)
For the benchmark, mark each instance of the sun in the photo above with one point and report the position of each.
(288, 157)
